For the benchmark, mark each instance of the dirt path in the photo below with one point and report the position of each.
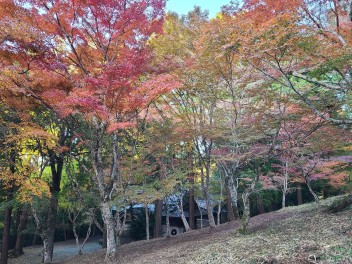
(62, 251)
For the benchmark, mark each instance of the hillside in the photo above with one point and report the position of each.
(302, 234)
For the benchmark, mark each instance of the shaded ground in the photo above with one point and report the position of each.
(302, 234)
(62, 250)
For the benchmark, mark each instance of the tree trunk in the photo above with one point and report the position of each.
(74, 230)
(110, 231)
(299, 195)
(183, 217)
(51, 224)
(48, 232)
(147, 222)
(168, 232)
(6, 231)
(230, 212)
(79, 251)
(201, 216)
(232, 189)
(285, 186)
(209, 209)
(283, 200)
(158, 217)
(218, 213)
(246, 211)
(192, 224)
(86, 238)
(21, 226)
(316, 198)
(46, 249)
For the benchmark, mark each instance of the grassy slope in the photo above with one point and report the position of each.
(302, 234)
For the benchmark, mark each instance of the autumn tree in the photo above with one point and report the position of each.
(99, 48)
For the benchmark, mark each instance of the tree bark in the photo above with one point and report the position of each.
(21, 226)
(109, 222)
(47, 231)
(167, 217)
(51, 225)
(209, 209)
(158, 217)
(183, 217)
(299, 195)
(285, 186)
(201, 217)
(229, 208)
(218, 213)
(192, 224)
(316, 198)
(232, 188)
(246, 211)
(6, 231)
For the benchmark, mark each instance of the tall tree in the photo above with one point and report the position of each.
(99, 49)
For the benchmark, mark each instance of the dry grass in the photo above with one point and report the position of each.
(302, 234)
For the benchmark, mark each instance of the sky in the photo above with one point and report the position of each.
(183, 6)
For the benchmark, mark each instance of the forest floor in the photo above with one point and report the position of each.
(62, 251)
(300, 234)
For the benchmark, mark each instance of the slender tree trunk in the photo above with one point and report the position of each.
(51, 225)
(147, 222)
(246, 211)
(79, 251)
(316, 198)
(285, 186)
(21, 226)
(192, 224)
(86, 238)
(209, 209)
(74, 230)
(183, 217)
(218, 213)
(110, 231)
(158, 217)
(299, 195)
(168, 232)
(46, 249)
(232, 189)
(283, 200)
(207, 194)
(230, 213)
(246, 202)
(6, 230)
(48, 231)
(184, 221)
(201, 217)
